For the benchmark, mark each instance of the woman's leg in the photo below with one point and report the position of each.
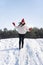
(20, 41)
(23, 40)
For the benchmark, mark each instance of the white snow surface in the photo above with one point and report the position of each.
(31, 54)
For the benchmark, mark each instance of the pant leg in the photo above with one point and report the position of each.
(20, 39)
(23, 40)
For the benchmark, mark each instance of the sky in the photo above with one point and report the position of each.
(15, 10)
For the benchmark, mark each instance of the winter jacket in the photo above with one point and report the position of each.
(22, 29)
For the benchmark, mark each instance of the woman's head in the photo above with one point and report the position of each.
(23, 21)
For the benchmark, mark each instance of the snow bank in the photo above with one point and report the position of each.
(31, 54)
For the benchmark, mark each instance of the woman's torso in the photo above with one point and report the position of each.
(22, 29)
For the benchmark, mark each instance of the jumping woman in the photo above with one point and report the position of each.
(22, 29)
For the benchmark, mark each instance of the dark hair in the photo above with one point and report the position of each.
(20, 23)
(23, 24)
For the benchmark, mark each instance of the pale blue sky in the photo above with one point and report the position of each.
(15, 10)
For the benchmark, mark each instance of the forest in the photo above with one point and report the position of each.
(35, 33)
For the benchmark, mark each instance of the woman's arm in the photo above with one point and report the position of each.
(15, 25)
(28, 29)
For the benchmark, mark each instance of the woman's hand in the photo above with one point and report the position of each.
(13, 23)
(30, 29)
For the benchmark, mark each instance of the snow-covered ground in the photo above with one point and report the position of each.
(31, 54)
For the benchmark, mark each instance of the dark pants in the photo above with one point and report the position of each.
(21, 40)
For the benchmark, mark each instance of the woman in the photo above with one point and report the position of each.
(22, 29)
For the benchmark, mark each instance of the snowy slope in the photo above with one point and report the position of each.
(31, 54)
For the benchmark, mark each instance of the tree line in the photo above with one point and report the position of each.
(35, 33)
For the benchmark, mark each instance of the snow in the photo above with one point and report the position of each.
(31, 54)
